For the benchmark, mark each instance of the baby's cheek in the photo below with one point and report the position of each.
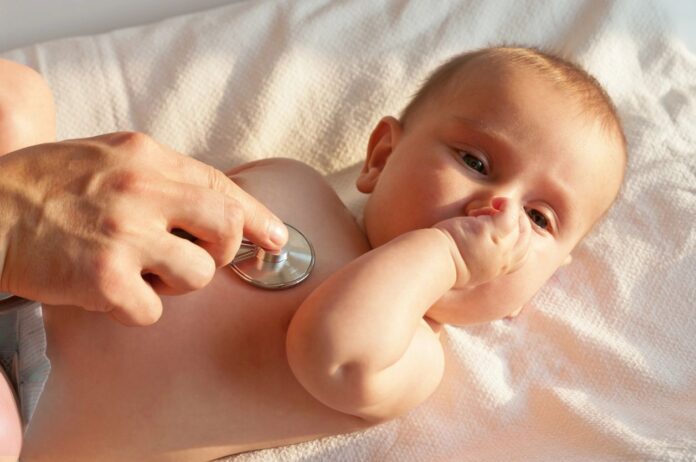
(512, 291)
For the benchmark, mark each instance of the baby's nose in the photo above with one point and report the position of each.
(492, 207)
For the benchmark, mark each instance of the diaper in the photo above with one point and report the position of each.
(23, 352)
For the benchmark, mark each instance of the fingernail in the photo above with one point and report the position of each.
(279, 233)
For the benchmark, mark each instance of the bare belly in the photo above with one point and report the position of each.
(209, 379)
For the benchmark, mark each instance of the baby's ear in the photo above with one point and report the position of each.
(383, 140)
(567, 260)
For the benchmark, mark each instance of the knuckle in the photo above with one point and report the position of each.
(126, 180)
(111, 226)
(234, 215)
(477, 223)
(101, 263)
(89, 148)
(132, 142)
(107, 276)
(216, 179)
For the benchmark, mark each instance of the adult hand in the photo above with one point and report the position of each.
(87, 222)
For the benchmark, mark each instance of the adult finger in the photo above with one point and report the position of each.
(215, 220)
(175, 266)
(139, 305)
(260, 224)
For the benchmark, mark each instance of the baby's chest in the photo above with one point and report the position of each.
(217, 353)
(240, 333)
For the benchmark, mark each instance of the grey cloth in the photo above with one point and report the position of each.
(23, 351)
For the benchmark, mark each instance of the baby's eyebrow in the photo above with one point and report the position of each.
(494, 134)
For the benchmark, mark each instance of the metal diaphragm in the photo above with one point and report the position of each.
(275, 270)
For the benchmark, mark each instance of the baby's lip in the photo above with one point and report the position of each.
(483, 211)
(496, 206)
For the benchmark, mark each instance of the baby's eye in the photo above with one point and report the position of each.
(474, 162)
(538, 218)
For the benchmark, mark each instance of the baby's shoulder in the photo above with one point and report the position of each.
(301, 196)
(275, 164)
(292, 177)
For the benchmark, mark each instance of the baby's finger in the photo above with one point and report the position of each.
(522, 245)
(525, 229)
(507, 219)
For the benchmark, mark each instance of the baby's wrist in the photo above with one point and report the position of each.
(460, 270)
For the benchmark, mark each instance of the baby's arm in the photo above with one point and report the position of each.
(359, 343)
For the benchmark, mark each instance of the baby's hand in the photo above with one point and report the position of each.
(490, 242)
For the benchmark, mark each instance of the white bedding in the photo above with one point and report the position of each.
(600, 366)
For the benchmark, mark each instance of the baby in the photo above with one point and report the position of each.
(495, 171)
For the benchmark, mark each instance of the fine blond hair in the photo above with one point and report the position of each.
(559, 72)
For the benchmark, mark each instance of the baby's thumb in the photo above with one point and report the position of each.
(507, 218)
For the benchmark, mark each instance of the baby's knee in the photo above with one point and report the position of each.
(27, 111)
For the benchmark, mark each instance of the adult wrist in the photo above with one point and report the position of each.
(4, 247)
(8, 219)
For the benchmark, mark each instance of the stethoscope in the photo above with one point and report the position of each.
(275, 270)
(253, 264)
(271, 270)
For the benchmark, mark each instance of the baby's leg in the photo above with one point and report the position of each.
(27, 112)
(27, 117)
(10, 422)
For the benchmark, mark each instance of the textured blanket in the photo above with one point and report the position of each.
(600, 366)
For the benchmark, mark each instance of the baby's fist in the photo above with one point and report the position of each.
(487, 243)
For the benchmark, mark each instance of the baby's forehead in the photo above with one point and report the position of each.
(583, 96)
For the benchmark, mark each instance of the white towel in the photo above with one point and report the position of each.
(601, 365)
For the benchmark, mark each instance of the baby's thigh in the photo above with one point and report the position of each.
(27, 111)
(10, 422)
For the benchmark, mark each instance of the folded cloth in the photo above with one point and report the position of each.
(23, 352)
(600, 365)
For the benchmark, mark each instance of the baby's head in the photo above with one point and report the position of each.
(499, 122)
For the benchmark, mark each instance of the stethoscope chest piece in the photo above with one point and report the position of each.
(275, 271)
